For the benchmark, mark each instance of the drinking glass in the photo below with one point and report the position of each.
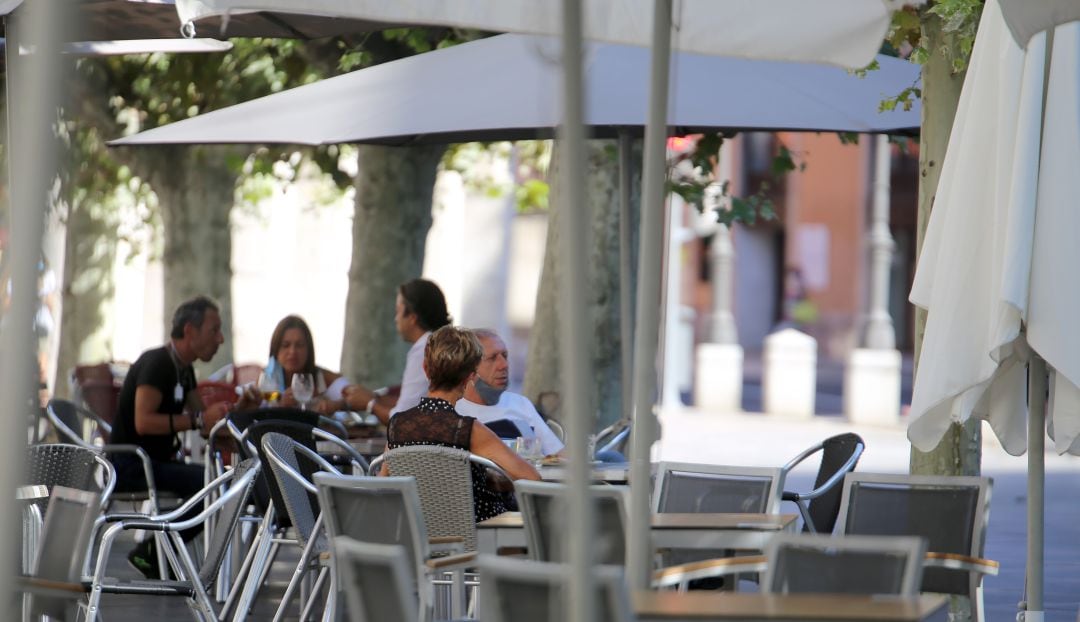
(303, 389)
(268, 388)
(529, 449)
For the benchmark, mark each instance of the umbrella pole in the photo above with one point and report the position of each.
(1036, 487)
(575, 359)
(626, 272)
(647, 328)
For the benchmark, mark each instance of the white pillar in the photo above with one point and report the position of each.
(676, 358)
(719, 362)
(789, 374)
(872, 376)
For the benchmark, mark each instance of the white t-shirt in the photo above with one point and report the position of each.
(518, 410)
(414, 382)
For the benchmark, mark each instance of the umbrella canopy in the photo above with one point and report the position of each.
(507, 87)
(997, 270)
(1027, 17)
(774, 29)
(107, 20)
(1004, 222)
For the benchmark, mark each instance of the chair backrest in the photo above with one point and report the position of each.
(77, 425)
(951, 512)
(294, 423)
(517, 590)
(696, 488)
(98, 387)
(504, 428)
(70, 466)
(823, 564)
(377, 510)
(243, 478)
(65, 540)
(246, 373)
(376, 580)
(444, 482)
(839, 456)
(544, 513)
(286, 458)
(211, 392)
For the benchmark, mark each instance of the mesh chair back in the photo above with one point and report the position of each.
(294, 423)
(697, 488)
(75, 424)
(822, 564)
(544, 513)
(299, 507)
(70, 466)
(377, 510)
(949, 512)
(836, 452)
(444, 482)
(225, 524)
(530, 591)
(376, 580)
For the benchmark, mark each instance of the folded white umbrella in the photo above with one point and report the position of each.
(1000, 246)
(772, 29)
(998, 270)
(508, 87)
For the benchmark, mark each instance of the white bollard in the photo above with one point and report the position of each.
(718, 377)
(872, 387)
(789, 376)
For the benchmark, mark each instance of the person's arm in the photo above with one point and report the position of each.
(550, 443)
(360, 398)
(484, 443)
(148, 421)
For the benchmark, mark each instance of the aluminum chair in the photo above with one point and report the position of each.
(695, 488)
(819, 564)
(820, 506)
(514, 590)
(951, 512)
(194, 582)
(376, 580)
(544, 513)
(54, 585)
(387, 510)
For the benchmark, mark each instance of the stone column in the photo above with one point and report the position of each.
(872, 377)
(719, 361)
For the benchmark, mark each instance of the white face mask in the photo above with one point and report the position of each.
(489, 394)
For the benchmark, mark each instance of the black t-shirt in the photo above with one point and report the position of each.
(159, 369)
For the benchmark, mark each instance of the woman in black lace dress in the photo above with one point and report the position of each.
(450, 361)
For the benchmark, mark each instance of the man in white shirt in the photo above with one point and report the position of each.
(488, 400)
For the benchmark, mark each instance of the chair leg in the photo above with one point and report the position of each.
(313, 596)
(237, 582)
(298, 575)
(264, 547)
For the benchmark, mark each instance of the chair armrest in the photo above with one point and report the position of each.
(451, 562)
(679, 575)
(48, 587)
(447, 544)
(955, 561)
(144, 458)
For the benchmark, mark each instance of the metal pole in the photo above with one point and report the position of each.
(722, 255)
(626, 270)
(1036, 487)
(880, 334)
(576, 361)
(32, 93)
(650, 258)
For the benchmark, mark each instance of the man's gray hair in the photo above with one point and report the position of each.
(486, 333)
(192, 312)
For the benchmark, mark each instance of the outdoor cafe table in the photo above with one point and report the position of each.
(610, 472)
(697, 606)
(740, 532)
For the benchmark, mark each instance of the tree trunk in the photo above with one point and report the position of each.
(394, 189)
(195, 189)
(602, 194)
(86, 324)
(960, 451)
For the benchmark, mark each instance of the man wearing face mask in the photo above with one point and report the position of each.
(488, 400)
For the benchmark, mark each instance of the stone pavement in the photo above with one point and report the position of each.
(754, 439)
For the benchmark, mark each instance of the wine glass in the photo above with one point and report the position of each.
(268, 387)
(303, 388)
(529, 449)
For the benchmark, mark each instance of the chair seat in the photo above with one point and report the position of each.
(111, 585)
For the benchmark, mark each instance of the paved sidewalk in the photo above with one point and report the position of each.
(754, 439)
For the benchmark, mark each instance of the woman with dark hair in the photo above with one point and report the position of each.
(420, 308)
(292, 351)
(450, 359)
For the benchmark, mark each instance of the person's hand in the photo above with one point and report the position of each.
(288, 400)
(250, 399)
(324, 406)
(357, 397)
(213, 414)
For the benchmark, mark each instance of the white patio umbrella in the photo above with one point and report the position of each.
(507, 88)
(1025, 18)
(997, 269)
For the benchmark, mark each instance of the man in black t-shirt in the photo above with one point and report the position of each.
(158, 400)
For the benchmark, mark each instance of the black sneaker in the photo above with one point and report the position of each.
(144, 559)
